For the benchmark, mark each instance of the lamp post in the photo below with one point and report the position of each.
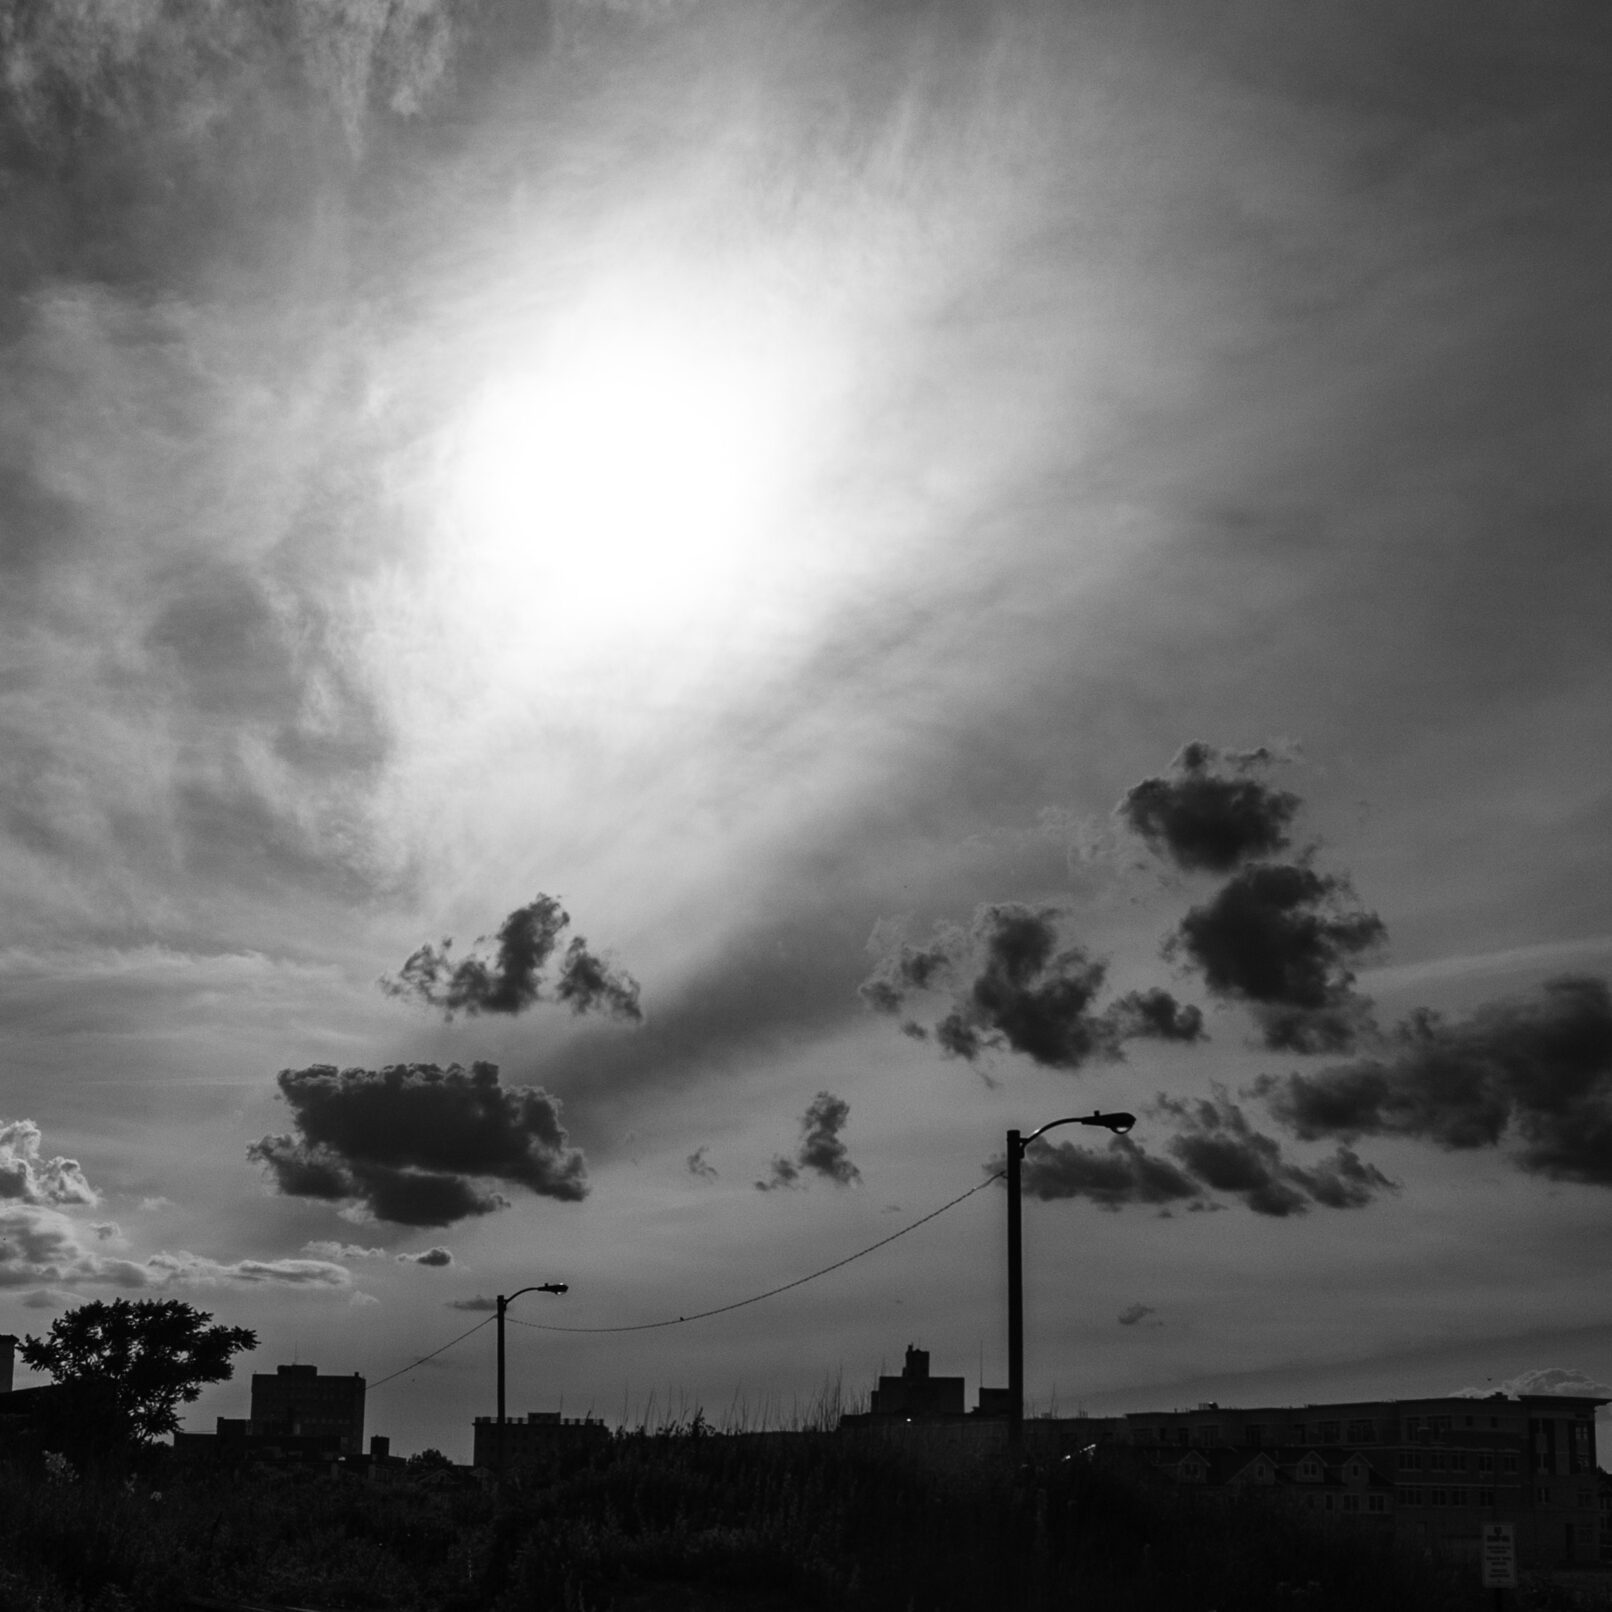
(503, 1304)
(1119, 1124)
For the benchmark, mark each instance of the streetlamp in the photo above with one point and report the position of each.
(503, 1304)
(1119, 1124)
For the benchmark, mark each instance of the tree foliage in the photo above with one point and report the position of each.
(156, 1353)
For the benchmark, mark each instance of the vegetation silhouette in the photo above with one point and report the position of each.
(156, 1354)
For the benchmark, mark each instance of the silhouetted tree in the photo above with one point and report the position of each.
(156, 1353)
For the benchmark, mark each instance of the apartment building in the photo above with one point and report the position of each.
(1435, 1470)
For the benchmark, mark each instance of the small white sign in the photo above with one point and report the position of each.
(1499, 1556)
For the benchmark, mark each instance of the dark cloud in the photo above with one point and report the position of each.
(1280, 937)
(435, 1258)
(1120, 1173)
(1213, 1148)
(476, 1305)
(1133, 1313)
(413, 1143)
(821, 1151)
(512, 979)
(1536, 1070)
(697, 1164)
(1154, 1014)
(1017, 986)
(1215, 1144)
(1209, 815)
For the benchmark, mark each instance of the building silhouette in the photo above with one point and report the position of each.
(298, 1402)
(531, 1437)
(1428, 1471)
(1432, 1470)
(915, 1393)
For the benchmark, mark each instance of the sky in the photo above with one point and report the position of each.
(628, 628)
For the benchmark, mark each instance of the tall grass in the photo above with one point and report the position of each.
(678, 1515)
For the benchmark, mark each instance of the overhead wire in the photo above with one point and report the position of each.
(700, 1315)
(772, 1292)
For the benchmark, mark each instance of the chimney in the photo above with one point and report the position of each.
(8, 1360)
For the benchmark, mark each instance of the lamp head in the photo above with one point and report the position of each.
(1119, 1124)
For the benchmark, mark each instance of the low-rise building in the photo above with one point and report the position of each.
(529, 1438)
(299, 1402)
(1438, 1468)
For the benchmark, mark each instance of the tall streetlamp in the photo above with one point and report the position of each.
(1119, 1124)
(503, 1304)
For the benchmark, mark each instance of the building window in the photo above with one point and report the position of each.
(1580, 1447)
(1438, 1497)
(1585, 1497)
(1254, 1435)
(1376, 1502)
(1410, 1461)
(1466, 1421)
(1408, 1494)
(1362, 1432)
(1441, 1424)
(1310, 1472)
(1542, 1495)
(1485, 1497)
(1508, 1463)
(1457, 1497)
(1486, 1463)
(1435, 1460)
(1329, 1432)
(1351, 1502)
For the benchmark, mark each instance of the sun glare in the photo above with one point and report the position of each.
(621, 477)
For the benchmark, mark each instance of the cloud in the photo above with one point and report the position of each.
(1016, 985)
(697, 1164)
(821, 1151)
(109, 1231)
(1209, 815)
(781, 1173)
(1535, 1071)
(1542, 1380)
(479, 1303)
(433, 1257)
(512, 979)
(1122, 1173)
(1213, 1148)
(1279, 937)
(26, 1177)
(412, 1143)
(330, 1250)
(43, 1245)
(194, 1270)
(1134, 1313)
(1215, 1144)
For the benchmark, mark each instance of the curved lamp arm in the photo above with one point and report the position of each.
(1119, 1124)
(541, 1287)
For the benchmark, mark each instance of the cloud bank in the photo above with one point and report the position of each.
(1533, 1073)
(1213, 1149)
(415, 1143)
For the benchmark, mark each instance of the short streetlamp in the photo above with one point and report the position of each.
(1016, 1144)
(503, 1304)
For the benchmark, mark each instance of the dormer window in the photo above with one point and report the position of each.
(1310, 1471)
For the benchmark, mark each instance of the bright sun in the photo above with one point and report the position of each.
(621, 475)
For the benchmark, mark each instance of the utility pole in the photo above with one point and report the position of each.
(503, 1304)
(1119, 1124)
